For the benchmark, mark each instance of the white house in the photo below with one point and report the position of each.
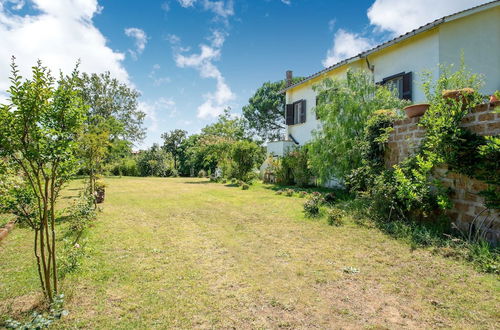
(474, 32)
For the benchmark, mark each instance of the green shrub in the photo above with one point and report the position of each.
(245, 156)
(302, 194)
(202, 174)
(245, 187)
(233, 181)
(335, 217)
(279, 192)
(312, 205)
(330, 198)
(289, 192)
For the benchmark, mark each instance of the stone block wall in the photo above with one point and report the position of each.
(468, 207)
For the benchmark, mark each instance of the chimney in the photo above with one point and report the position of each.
(289, 76)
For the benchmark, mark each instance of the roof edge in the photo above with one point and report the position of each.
(410, 34)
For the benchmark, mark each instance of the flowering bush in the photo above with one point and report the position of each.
(312, 205)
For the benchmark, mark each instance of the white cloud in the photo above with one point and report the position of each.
(165, 6)
(287, 2)
(173, 39)
(399, 17)
(393, 16)
(140, 38)
(151, 109)
(187, 3)
(345, 45)
(222, 9)
(59, 35)
(215, 102)
(153, 75)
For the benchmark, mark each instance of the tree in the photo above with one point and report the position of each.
(38, 138)
(114, 102)
(265, 111)
(245, 155)
(344, 106)
(93, 147)
(113, 112)
(154, 162)
(173, 143)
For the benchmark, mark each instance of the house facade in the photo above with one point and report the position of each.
(474, 32)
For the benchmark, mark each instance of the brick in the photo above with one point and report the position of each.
(468, 119)
(470, 197)
(481, 108)
(493, 127)
(486, 117)
(467, 218)
(402, 129)
(478, 186)
(462, 206)
(478, 129)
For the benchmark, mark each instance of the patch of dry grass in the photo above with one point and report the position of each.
(187, 253)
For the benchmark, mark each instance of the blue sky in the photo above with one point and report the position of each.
(192, 58)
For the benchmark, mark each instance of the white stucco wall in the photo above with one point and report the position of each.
(478, 37)
(416, 55)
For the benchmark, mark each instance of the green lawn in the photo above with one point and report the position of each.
(184, 253)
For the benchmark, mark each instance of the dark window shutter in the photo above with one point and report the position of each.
(407, 86)
(289, 114)
(303, 111)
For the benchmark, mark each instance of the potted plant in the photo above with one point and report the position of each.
(458, 94)
(99, 192)
(495, 97)
(416, 110)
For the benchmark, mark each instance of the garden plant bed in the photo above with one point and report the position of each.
(187, 253)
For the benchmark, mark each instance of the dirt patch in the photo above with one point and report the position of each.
(23, 305)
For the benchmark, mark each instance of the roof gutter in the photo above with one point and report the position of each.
(399, 39)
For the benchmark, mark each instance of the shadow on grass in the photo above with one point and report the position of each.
(197, 182)
(340, 193)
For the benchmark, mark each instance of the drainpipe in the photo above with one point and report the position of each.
(371, 67)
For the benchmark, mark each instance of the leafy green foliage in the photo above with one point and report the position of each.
(265, 111)
(312, 205)
(39, 128)
(344, 106)
(115, 103)
(42, 321)
(335, 217)
(154, 162)
(245, 156)
(173, 142)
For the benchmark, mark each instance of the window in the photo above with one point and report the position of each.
(402, 83)
(296, 113)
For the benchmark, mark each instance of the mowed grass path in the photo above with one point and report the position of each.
(186, 253)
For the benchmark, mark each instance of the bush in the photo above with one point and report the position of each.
(330, 198)
(302, 194)
(155, 162)
(245, 156)
(202, 174)
(125, 167)
(312, 205)
(289, 192)
(245, 187)
(279, 192)
(335, 217)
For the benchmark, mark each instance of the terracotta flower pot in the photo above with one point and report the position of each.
(458, 94)
(100, 193)
(416, 110)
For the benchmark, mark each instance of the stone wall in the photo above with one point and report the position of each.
(468, 207)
